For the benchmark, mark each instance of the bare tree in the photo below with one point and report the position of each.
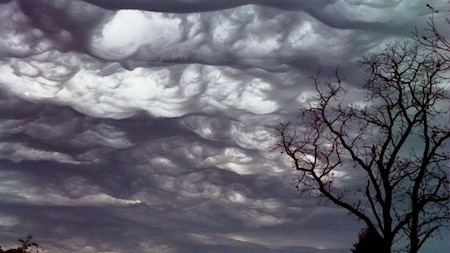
(433, 40)
(393, 144)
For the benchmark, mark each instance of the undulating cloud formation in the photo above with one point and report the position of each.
(147, 125)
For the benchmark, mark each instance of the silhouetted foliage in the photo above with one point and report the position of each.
(27, 246)
(369, 242)
(393, 143)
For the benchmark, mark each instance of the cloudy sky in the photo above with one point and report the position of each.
(147, 125)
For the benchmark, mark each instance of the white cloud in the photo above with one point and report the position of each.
(130, 30)
(17, 152)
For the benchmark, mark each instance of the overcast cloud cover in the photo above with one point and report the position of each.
(146, 125)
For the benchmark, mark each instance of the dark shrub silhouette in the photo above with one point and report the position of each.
(27, 246)
(369, 242)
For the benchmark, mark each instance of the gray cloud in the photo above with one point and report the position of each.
(146, 126)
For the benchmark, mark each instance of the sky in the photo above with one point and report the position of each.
(148, 125)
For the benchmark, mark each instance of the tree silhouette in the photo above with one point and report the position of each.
(369, 242)
(26, 246)
(393, 143)
(433, 40)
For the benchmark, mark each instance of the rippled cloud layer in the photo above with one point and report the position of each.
(147, 125)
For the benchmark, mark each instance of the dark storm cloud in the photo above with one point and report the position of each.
(146, 126)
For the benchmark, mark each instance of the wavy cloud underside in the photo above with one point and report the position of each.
(147, 125)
